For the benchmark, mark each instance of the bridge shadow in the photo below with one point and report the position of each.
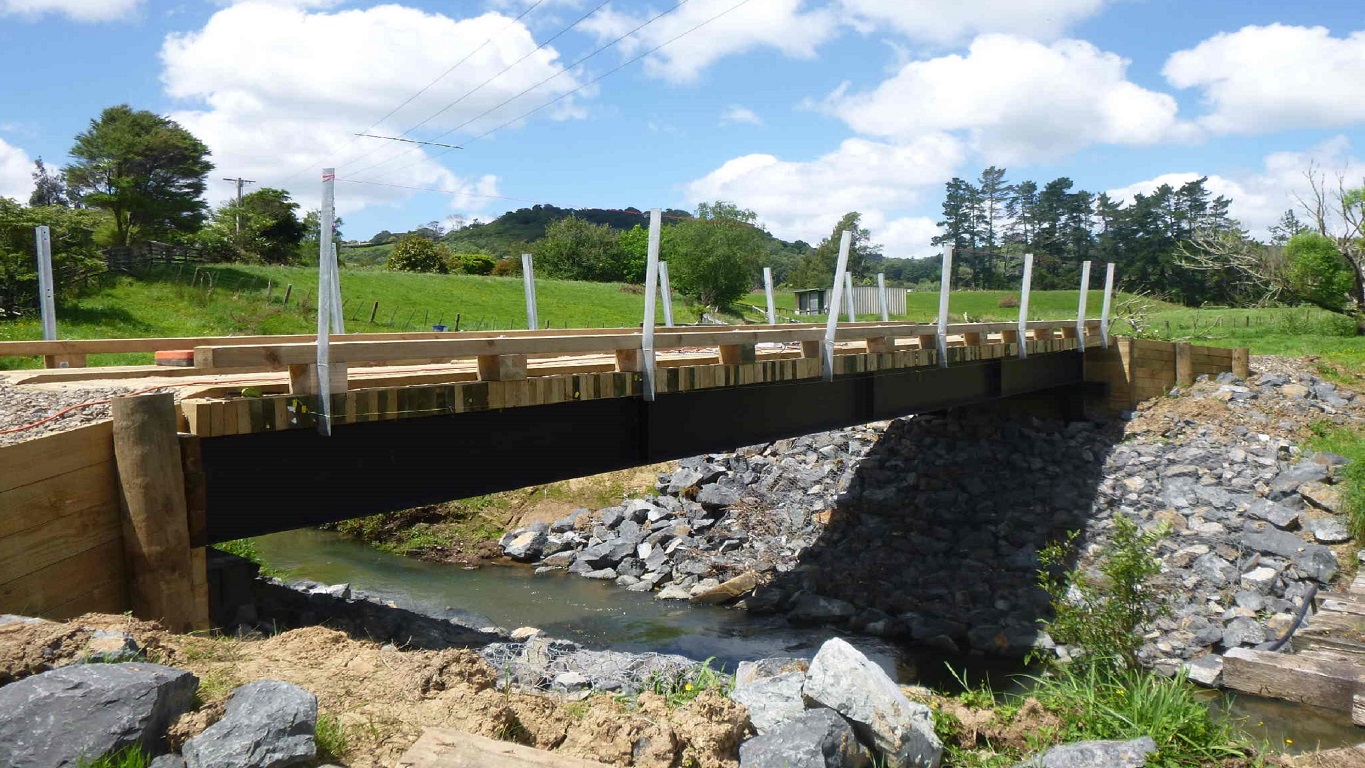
(935, 541)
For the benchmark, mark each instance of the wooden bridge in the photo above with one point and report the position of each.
(116, 516)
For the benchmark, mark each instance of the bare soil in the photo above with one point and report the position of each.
(384, 696)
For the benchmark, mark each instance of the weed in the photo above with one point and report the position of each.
(215, 684)
(976, 698)
(679, 688)
(577, 710)
(132, 757)
(331, 738)
(1103, 615)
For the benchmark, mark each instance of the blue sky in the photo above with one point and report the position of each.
(799, 109)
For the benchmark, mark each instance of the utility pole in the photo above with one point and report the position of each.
(238, 215)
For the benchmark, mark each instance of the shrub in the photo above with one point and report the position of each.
(507, 268)
(418, 254)
(471, 264)
(1009, 302)
(1103, 614)
(1317, 271)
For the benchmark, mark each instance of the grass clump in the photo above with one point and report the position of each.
(1351, 477)
(132, 757)
(331, 738)
(246, 549)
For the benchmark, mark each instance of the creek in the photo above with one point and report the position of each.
(601, 615)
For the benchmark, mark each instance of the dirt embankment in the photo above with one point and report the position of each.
(384, 696)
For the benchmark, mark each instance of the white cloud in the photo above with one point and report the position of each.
(1018, 100)
(1260, 197)
(738, 115)
(804, 200)
(78, 10)
(1266, 79)
(284, 90)
(785, 25)
(16, 173)
(948, 21)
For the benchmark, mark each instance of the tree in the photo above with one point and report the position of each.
(415, 253)
(817, 268)
(471, 263)
(1340, 215)
(75, 255)
(714, 257)
(574, 249)
(312, 228)
(1288, 226)
(1318, 273)
(264, 226)
(142, 168)
(635, 249)
(48, 188)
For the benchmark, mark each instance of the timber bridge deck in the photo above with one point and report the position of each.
(116, 515)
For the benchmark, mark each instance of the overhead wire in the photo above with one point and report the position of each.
(565, 95)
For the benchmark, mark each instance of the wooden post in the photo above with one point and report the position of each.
(196, 500)
(156, 536)
(735, 354)
(288, 289)
(1241, 363)
(971, 339)
(1184, 365)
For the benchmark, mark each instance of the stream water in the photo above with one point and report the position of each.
(601, 615)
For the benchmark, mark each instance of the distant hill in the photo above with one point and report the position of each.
(508, 235)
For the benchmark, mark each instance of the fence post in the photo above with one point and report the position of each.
(944, 286)
(156, 532)
(1080, 311)
(651, 295)
(881, 297)
(768, 290)
(1023, 306)
(1104, 312)
(832, 322)
(46, 293)
(666, 294)
(528, 279)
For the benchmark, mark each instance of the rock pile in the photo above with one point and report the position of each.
(927, 529)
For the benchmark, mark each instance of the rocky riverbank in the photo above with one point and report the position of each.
(927, 529)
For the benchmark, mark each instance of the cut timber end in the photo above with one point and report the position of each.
(446, 748)
(502, 367)
(303, 379)
(880, 345)
(969, 339)
(737, 354)
(928, 341)
(630, 360)
(64, 361)
(811, 349)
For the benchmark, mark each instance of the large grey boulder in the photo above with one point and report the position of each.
(84, 711)
(525, 545)
(1315, 560)
(816, 739)
(771, 690)
(1095, 754)
(848, 682)
(267, 724)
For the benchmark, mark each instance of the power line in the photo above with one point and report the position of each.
(409, 141)
(594, 81)
(430, 85)
(480, 86)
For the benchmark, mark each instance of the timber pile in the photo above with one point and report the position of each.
(1327, 666)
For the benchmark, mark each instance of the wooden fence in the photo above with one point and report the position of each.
(1139, 369)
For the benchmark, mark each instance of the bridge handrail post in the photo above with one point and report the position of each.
(944, 287)
(1080, 310)
(881, 297)
(768, 290)
(832, 322)
(651, 297)
(324, 361)
(46, 290)
(666, 294)
(1023, 306)
(528, 280)
(852, 308)
(1108, 298)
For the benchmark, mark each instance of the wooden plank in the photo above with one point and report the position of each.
(56, 584)
(51, 455)
(1315, 681)
(73, 493)
(447, 748)
(109, 597)
(57, 539)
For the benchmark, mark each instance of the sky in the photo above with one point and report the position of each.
(800, 110)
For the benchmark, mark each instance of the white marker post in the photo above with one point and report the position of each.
(651, 293)
(881, 297)
(324, 364)
(944, 286)
(666, 293)
(840, 272)
(338, 314)
(47, 302)
(528, 279)
(1023, 306)
(1080, 311)
(768, 290)
(848, 290)
(1104, 313)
